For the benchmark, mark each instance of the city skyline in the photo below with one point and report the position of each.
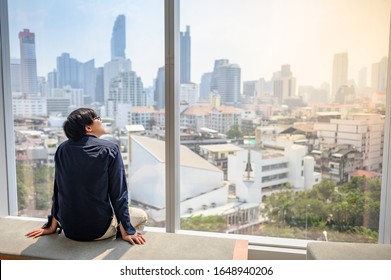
(285, 33)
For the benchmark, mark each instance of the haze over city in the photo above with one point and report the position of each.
(259, 36)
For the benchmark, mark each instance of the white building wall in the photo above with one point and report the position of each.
(29, 107)
(147, 182)
(296, 154)
(246, 189)
(325, 127)
(196, 181)
(189, 93)
(146, 177)
(363, 131)
(122, 116)
(218, 196)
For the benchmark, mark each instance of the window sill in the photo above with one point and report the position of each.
(159, 246)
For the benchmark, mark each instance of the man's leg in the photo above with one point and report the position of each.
(111, 231)
(138, 218)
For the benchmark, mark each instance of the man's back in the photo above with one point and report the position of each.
(86, 170)
(90, 195)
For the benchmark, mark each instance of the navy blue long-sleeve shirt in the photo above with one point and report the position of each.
(89, 188)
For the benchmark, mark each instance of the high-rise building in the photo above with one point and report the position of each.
(185, 56)
(126, 88)
(226, 81)
(15, 75)
(52, 81)
(379, 75)
(88, 78)
(284, 84)
(214, 79)
(99, 86)
(205, 85)
(112, 70)
(28, 63)
(68, 71)
(159, 89)
(118, 38)
(340, 73)
(189, 93)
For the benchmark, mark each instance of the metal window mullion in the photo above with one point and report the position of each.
(385, 200)
(8, 189)
(172, 140)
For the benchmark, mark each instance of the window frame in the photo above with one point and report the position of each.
(385, 199)
(8, 186)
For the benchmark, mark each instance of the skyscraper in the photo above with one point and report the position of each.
(15, 75)
(226, 81)
(185, 56)
(68, 70)
(99, 85)
(284, 84)
(379, 75)
(205, 85)
(159, 89)
(88, 78)
(125, 88)
(340, 73)
(28, 63)
(112, 70)
(118, 38)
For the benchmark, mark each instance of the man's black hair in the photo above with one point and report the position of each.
(74, 126)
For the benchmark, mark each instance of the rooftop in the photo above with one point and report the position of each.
(187, 157)
(221, 148)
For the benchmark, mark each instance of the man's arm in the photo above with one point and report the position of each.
(118, 192)
(43, 231)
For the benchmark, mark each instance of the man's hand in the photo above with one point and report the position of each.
(137, 238)
(43, 231)
(39, 232)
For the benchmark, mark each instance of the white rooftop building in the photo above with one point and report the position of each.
(257, 173)
(202, 185)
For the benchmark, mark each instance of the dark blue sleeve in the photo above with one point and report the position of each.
(54, 212)
(118, 191)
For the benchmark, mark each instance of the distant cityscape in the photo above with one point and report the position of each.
(240, 140)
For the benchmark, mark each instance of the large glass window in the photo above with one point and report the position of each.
(294, 93)
(107, 55)
(281, 108)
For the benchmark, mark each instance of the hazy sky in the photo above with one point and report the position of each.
(258, 35)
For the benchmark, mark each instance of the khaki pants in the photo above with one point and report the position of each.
(138, 218)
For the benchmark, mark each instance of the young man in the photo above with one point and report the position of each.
(90, 198)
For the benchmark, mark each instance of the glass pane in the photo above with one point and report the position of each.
(283, 117)
(106, 55)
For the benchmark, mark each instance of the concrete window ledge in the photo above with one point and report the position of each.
(159, 246)
(348, 251)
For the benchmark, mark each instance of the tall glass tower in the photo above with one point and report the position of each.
(28, 63)
(185, 52)
(340, 72)
(118, 38)
(226, 81)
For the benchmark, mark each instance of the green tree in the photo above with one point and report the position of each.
(323, 190)
(279, 205)
(22, 187)
(212, 223)
(353, 206)
(234, 132)
(43, 183)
